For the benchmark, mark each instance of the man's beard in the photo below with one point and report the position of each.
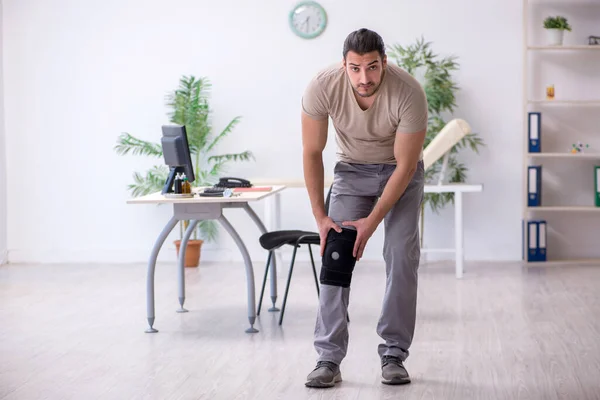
(370, 91)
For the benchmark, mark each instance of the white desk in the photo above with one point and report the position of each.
(196, 209)
(458, 189)
(273, 211)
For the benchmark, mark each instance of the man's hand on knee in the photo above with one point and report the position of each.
(325, 224)
(364, 230)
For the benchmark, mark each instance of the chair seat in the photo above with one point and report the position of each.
(275, 239)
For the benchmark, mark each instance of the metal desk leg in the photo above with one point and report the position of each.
(150, 274)
(273, 267)
(272, 219)
(458, 233)
(249, 271)
(181, 266)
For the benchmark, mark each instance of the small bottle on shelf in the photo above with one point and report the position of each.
(550, 92)
(186, 187)
(178, 184)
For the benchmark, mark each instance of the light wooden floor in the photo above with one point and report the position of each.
(503, 332)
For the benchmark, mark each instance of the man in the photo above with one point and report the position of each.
(379, 112)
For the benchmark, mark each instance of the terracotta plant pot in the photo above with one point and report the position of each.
(192, 252)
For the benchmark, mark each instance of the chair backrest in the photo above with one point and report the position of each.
(327, 200)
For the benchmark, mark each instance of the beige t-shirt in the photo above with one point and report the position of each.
(367, 136)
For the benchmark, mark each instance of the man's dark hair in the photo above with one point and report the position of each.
(364, 41)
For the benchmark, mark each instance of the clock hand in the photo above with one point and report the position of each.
(305, 22)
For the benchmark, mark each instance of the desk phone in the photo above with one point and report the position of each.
(230, 182)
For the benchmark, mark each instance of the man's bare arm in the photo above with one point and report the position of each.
(407, 149)
(314, 139)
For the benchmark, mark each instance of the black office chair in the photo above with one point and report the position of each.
(272, 241)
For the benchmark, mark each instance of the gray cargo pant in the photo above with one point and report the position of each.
(355, 190)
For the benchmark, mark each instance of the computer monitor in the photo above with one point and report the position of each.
(176, 153)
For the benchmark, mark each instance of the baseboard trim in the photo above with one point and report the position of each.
(137, 256)
(168, 255)
(94, 256)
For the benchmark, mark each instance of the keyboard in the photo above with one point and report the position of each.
(214, 189)
(212, 192)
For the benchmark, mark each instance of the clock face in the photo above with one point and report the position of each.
(308, 19)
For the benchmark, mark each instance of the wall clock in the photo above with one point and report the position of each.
(308, 19)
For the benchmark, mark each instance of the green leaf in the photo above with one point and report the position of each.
(558, 22)
(228, 129)
(126, 144)
(151, 182)
(245, 156)
(208, 229)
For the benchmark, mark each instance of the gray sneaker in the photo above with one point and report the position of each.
(326, 374)
(393, 372)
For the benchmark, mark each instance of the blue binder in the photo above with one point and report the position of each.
(597, 185)
(536, 241)
(534, 127)
(523, 239)
(534, 186)
(541, 250)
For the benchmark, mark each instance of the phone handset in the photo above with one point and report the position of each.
(232, 182)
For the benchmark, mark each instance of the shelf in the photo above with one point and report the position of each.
(560, 48)
(583, 261)
(565, 155)
(566, 102)
(565, 208)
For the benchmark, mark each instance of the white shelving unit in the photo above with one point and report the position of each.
(531, 49)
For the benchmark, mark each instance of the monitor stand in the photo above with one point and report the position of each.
(168, 188)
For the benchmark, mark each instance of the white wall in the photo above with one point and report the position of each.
(80, 73)
(3, 221)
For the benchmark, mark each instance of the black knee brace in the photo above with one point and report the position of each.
(338, 262)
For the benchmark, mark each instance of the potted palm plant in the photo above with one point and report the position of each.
(435, 75)
(189, 106)
(555, 29)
